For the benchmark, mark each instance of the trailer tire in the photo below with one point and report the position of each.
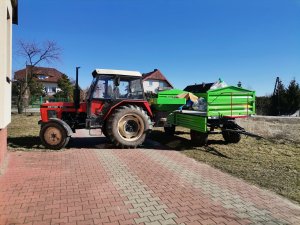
(198, 138)
(54, 136)
(170, 131)
(127, 127)
(231, 137)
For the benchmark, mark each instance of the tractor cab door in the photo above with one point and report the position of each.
(107, 91)
(99, 95)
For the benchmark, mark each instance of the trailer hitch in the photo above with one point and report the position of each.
(244, 132)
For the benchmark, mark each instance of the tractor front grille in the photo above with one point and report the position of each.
(51, 114)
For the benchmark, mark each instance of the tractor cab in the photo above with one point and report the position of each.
(110, 88)
(116, 85)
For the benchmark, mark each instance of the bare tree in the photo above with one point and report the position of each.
(34, 55)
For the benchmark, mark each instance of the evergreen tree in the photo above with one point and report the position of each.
(66, 88)
(263, 105)
(293, 97)
(36, 88)
(279, 102)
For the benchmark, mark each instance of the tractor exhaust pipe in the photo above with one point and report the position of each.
(77, 91)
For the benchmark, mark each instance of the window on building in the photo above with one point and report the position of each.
(42, 77)
(162, 84)
(150, 82)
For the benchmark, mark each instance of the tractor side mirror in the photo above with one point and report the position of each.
(117, 81)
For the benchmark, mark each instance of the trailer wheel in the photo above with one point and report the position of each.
(231, 137)
(54, 136)
(170, 130)
(198, 138)
(128, 125)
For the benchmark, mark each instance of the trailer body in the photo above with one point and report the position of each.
(223, 105)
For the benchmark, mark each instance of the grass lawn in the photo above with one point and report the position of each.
(23, 133)
(274, 165)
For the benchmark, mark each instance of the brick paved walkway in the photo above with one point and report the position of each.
(107, 186)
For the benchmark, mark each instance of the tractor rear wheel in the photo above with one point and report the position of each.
(104, 132)
(103, 129)
(54, 136)
(127, 127)
(198, 138)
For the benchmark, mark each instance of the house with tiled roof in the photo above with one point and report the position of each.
(47, 76)
(155, 81)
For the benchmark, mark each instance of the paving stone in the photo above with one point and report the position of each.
(125, 187)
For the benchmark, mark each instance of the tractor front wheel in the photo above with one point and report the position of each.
(127, 127)
(54, 136)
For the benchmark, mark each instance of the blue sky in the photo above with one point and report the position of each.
(190, 41)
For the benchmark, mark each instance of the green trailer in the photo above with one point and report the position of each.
(165, 103)
(222, 107)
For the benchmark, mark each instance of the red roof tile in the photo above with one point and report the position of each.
(156, 75)
(53, 75)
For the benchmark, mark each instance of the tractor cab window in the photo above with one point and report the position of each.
(130, 88)
(104, 87)
(117, 87)
(123, 89)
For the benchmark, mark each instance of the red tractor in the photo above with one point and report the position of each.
(115, 103)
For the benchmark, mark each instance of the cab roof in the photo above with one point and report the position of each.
(116, 72)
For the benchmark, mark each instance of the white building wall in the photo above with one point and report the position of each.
(151, 86)
(49, 88)
(5, 62)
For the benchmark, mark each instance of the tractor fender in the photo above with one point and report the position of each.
(62, 123)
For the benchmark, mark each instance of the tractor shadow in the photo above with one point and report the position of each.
(180, 143)
(103, 143)
(26, 142)
(31, 143)
(157, 140)
(90, 142)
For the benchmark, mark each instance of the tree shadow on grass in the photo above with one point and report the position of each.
(182, 144)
